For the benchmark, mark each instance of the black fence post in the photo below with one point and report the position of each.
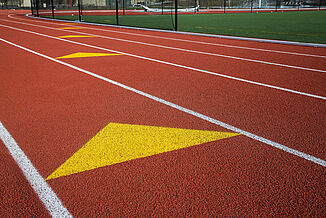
(37, 14)
(32, 8)
(117, 11)
(52, 7)
(123, 7)
(176, 16)
(81, 8)
(79, 14)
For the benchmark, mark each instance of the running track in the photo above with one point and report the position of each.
(274, 95)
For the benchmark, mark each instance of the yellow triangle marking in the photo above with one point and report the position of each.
(118, 143)
(83, 55)
(70, 28)
(75, 36)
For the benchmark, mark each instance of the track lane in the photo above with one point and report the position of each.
(225, 52)
(226, 177)
(252, 71)
(231, 53)
(216, 178)
(309, 114)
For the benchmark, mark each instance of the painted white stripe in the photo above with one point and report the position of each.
(181, 49)
(176, 65)
(206, 43)
(50, 200)
(185, 110)
(203, 53)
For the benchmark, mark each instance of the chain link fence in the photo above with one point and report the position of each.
(15, 4)
(160, 14)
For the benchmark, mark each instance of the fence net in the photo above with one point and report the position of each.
(13, 4)
(162, 14)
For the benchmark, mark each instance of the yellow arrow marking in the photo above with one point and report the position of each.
(75, 36)
(83, 55)
(118, 143)
(70, 28)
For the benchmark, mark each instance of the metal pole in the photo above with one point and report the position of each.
(176, 16)
(37, 14)
(79, 15)
(81, 8)
(52, 6)
(123, 6)
(117, 11)
(32, 8)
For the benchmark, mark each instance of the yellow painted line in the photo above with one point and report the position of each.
(118, 143)
(84, 55)
(75, 36)
(306, 34)
(69, 24)
(71, 28)
(282, 33)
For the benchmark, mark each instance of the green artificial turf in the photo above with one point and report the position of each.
(302, 26)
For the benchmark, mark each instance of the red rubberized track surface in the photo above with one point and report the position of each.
(52, 110)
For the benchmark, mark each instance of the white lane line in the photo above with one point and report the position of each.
(183, 50)
(184, 40)
(50, 200)
(176, 65)
(209, 43)
(183, 109)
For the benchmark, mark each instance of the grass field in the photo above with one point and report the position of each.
(302, 26)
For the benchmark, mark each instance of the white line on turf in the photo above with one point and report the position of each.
(50, 200)
(175, 65)
(181, 40)
(183, 109)
(183, 50)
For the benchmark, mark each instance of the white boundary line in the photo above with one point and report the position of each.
(175, 65)
(181, 49)
(207, 43)
(181, 40)
(50, 200)
(183, 109)
(201, 34)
